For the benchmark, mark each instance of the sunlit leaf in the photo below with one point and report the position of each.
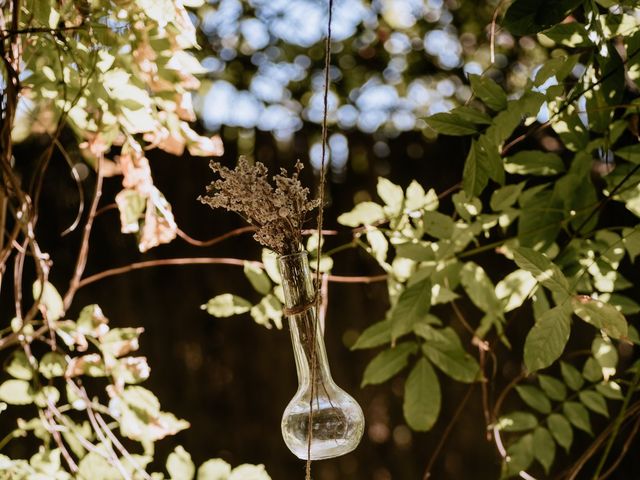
(600, 315)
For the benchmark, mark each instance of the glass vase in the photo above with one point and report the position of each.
(337, 421)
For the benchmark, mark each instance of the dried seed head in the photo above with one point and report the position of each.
(277, 213)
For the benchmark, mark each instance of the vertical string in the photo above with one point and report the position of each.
(325, 114)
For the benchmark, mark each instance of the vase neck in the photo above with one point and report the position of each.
(299, 294)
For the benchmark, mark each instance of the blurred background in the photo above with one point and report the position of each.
(394, 63)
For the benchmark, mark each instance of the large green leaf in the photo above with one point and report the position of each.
(422, 397)
(474, 175)
(377, 334)
(444, 349)
(480, 289)
(547, 339)
(526, 17)
(545, 271)
(387, 363)
(488, 91)
(438, 225)
(451, 124)
(601, 315)
(542, 212)
(412, 305)
(534, 162)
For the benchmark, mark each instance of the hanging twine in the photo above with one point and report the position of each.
(327, 65)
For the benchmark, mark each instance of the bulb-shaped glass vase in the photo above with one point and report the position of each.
(337, 421)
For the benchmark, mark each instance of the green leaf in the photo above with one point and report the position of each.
(214, 469)
(417, 199)
(179, 464)
(53, 365)
(517, 422)
(489, 92)
(94, 465)
(553, 387)
(413, 304)
(591, 370)
(49, 299)
(601, 315)
(391, 194)
(18, 366)
(249, 472)
(577, 415)
(544, 448)
(572, 35)
(559, 67)
(226, 305)
(258, 278)
(571, 130)
(466, 206)
(474, 175)
(571, 376)
(504, 197)
(610, 390)
(269, 309)
(364, 213)
(526, 17)
(534, 397)
(16, 392)
(514, 289)
(561, 430)
(480, 289)
(379, 245)
(438, 225)
(519, 455)
(542, 212)
(547, 339)
(534, 162)
(545, 271)
(444, 349)
(388, 363)
(377, 334)
(631, 153)
(631, 241)
(594, 401)
(451, 124)
(472, 115)
(422, 397)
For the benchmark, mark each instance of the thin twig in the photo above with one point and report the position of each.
(447, 431)
(623, 452)
(239, 262)
(83, 254)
